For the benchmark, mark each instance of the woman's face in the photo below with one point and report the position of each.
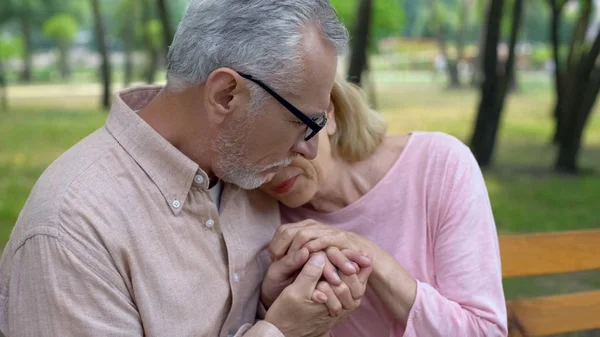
(297, 184)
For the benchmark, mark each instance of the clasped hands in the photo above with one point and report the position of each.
(318, 276)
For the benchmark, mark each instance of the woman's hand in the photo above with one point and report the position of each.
(390, 281)
(347, 251)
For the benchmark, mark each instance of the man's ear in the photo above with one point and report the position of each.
(331, 125)
(224, 92)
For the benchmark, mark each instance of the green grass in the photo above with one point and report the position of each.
(525, 194)
(30, 139)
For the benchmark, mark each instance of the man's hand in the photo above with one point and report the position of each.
(294, 312)
(299, 310)
(281, 274)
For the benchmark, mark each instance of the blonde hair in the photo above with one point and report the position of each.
(360, 129)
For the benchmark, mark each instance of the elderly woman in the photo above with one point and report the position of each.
(418, 203)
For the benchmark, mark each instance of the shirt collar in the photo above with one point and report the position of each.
(171, 171)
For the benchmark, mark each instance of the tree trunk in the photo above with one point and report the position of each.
(103, 49)
(556, 10)
(26, 75)
(129, 42)
(579, 32)
(509, 76)
(585, 86)
(453, 76)
(152, 63)
(451, 64)
(486, 124)
(163, 11)
(495, 87)
(3, 95)
(63, 62)
(152, 53)
(462, 30)
(570, 144)
(460, 44)
(360, 42)
(477, 75)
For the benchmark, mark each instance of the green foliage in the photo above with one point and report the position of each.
(61, 28)
(388, 16)
(10, 47)
(153, 30)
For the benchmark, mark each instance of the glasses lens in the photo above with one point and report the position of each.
(320, 121)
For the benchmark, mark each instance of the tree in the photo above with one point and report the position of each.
(152, 36)
(577, 84)
(62, 29)
(167, 28)
(385, 18)
(127, 19)
(358, 56)
(9, 48)
(103, 49)
(439, 21)
(30, 15)
(496, 83)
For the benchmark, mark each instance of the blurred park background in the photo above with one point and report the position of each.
(516, 80)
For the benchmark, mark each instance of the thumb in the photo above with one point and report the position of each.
(309, 276)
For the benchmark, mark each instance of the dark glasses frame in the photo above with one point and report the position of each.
(313, 124)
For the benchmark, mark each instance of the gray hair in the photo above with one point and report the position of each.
(259, 37)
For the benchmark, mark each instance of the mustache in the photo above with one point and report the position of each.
(281, 163)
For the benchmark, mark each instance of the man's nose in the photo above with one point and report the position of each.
(307, 149)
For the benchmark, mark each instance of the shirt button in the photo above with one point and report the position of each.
(210, 223)
(236, 277)
(176, 204)
(199, 179)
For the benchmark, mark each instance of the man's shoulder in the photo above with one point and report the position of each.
(73, 180)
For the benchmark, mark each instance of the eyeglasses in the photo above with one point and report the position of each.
(313, 124)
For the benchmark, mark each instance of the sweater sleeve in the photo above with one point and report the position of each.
(467, 298)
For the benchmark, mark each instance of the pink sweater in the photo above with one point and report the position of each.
(431, 211)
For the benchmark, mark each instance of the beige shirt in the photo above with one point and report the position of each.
(119, 237)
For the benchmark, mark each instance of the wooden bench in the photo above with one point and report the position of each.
(552, 253)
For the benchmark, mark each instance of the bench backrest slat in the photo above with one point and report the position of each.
(546, 316)
(552, 253)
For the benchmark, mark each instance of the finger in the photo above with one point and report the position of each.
(319, 297)
(307, 234)
(343, 294)
(330, 273)
(363, 275)
(333, 303)
(363, 259)
(356, 287)
(310, 274)
(340, 260)
(283, 238)
(339, 239)
(290, 264)
(357, 267)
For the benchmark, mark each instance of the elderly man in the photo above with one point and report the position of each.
(146, 228)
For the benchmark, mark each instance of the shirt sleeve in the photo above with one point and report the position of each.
(467, 299)
(55, 291)
(259, 329)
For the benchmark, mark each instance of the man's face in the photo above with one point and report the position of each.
(254, 145)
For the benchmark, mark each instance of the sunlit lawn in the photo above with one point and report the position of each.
(526, 195)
